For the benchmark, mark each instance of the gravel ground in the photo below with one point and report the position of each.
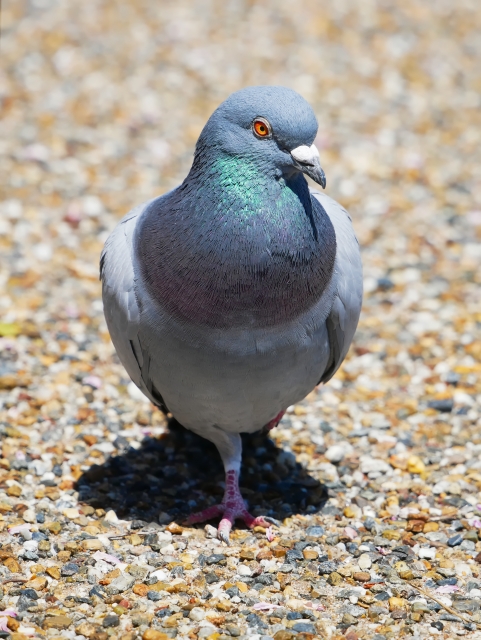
(376, 477)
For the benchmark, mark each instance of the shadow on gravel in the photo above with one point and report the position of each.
(171, 476)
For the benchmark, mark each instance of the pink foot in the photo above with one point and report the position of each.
(274, 422)
(232, 508)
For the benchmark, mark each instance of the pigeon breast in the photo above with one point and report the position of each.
(233, 247)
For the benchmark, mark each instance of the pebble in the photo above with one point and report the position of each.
(111, 621)
(197, 614)
(455, 540)
(216, 558)
(69, 569)
(364, 561)
(120, 584)
(154, 634)
(335, 453)
(304, 627)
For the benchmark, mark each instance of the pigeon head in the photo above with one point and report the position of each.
(271, 128)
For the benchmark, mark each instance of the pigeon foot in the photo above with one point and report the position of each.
(231, 508)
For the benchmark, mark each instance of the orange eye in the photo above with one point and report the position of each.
(261, 128)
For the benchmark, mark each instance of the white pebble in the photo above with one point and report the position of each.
(428, 553)
(111, 516)
(364, 561)
(335, 453)
(30, 545)
(244, 570)
(29, 515)
(210, 531)
(167, 550)
(463, 569)
(164, 536)
(197, 614)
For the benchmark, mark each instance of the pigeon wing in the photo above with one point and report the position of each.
(346, 308)
(121, 307)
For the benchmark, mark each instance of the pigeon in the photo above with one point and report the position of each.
(231, 297)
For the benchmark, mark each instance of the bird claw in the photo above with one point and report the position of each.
(272, 521)
(224, 536)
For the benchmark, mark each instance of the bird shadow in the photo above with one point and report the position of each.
(170, 476)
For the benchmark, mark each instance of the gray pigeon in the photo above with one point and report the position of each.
(231, 297)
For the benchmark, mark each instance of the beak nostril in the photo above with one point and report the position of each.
(306, 159)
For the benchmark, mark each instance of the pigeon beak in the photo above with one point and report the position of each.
(306, 159)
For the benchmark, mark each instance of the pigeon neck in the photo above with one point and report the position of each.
(239, 183)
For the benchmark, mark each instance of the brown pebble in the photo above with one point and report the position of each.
(243, 588)
(396, 603)
(37, 568)
(418, 516)
(334, 579)
(38, 583)
(54, 527)
(361, 576)
(310, 554)
(173, 620)
(174, 528)
(57, 622)
(153, 634)
(44, 545)
(12, 624)
(141, 589)
(87, 629)
(52, 493)
(416, 526)
(391, 534)
(53, 572)
(12, 565)
(284, 635)
(264, 554)
(92, 545)
(415, 465)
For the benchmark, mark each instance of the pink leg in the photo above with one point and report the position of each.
(274, 422)
(232, 507)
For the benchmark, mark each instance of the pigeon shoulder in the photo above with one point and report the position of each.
(344, 315)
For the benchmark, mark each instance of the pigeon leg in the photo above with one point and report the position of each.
(232, 506)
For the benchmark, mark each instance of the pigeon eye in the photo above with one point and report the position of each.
(261, 128)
